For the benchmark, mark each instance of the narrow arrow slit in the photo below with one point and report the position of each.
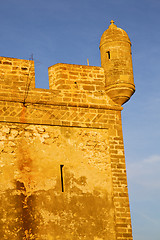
(61, 169)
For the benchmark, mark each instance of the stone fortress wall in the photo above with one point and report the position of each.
(63, 173)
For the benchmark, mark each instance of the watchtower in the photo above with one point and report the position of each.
(116, 59)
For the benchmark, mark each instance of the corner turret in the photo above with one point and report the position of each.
(116, 59)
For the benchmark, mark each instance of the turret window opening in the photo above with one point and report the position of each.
(108, 54)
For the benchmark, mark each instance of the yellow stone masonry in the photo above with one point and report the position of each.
(62, 163)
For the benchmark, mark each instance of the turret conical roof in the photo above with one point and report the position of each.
(113, 33)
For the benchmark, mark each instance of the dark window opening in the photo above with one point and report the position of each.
(108, 54)
(62, 182)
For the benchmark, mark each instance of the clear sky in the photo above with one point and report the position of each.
(69, 31)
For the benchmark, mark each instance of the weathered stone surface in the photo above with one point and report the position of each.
(31, 183)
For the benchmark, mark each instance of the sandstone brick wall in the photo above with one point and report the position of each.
(75, 126)
(120, 189)
(16, 74)
(76, 77)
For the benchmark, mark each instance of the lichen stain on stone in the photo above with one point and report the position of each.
(26, 217)
(25, 200)
(23, 114)
(24, 161)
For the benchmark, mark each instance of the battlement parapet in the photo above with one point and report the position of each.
(73, 88)
(73, 77)
(16, 73)
(74, 85)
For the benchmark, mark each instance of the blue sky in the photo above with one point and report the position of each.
(69, 31)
